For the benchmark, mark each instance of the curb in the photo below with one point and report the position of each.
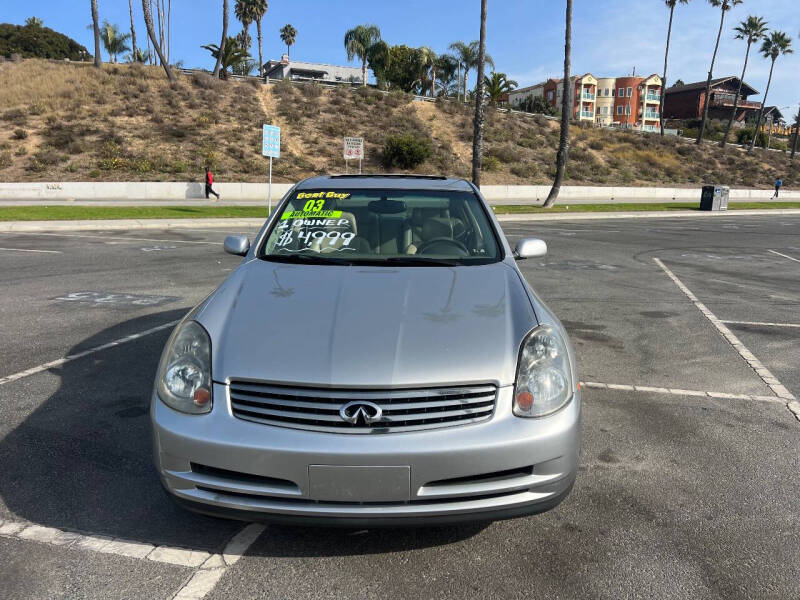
(126, 224)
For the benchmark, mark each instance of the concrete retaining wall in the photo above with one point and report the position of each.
(498, 194)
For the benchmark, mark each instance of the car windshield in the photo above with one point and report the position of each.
(383, 227)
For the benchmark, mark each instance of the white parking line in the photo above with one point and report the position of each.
(37, 251)
(764, 373)
(108, 237)
(71, 357)
(760, 324)
(784, 255)
(680, 392)
(209, 568)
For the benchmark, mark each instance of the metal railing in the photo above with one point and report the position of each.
(588, 96)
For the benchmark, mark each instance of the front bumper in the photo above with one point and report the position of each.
(505, 467)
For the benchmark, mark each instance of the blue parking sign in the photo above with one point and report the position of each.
(271, 145)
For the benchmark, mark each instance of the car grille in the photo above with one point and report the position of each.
(318, 409)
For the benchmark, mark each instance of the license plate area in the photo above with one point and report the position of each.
(334, 483)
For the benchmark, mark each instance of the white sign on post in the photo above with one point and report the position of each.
(271, 147)
(354, 150)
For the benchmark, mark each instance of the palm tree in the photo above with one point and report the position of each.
(151, 32)
(671, 5)
(288, 36)
(358, 42)
(98, 60)
(427, 60)
(139, 56)
(726, 5)
(751, 30)
(567, 98)
(446, 66)
(225, 12)
(497, 85)
(243, 9)
(134, 51)
(114, 41)
(477, 138)
(232, 55)
(259, 9)
(776, 44)
(33, 22)
(467, 55)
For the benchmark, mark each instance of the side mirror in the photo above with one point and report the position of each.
(530, 248)
(238, 245)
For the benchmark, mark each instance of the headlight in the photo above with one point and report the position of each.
(544, 379)
(184, 375)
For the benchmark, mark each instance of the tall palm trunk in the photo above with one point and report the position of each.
(133, 31)
(466, 78)
(433, 82)
(702, 131)
(738, 93)
(224, 37)
(148, 21)
(260, 49)
(794, 142)
(477, 137)
(763, 104)
(563, 145)
(364, 71)
(664, 78)
(98, 60)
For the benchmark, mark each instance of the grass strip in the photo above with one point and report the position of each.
(91, 213)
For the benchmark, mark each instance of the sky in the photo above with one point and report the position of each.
(525, 37)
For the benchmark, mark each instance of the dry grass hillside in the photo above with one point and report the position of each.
(70, 122)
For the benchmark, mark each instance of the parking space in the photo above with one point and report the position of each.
(688, 485)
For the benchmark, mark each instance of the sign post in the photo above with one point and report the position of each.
(271, 147)
(354, 149)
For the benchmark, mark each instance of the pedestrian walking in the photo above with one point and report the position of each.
(778, 185)
(210, 184)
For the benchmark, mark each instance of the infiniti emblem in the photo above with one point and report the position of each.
(361, 412)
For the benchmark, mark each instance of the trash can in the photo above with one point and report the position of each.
(715, 197)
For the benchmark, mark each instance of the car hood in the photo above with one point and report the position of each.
(322, 325)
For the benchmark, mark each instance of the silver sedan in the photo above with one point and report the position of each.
(376, 359)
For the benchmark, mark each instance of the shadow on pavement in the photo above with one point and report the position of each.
(83, 459)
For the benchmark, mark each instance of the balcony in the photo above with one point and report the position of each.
(586, 114)
(588, 96)
(651, 116)
(653, 98)
(727, 102)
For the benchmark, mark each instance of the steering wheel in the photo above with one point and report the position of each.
(431, 246)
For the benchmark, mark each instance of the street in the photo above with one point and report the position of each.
(688, 337)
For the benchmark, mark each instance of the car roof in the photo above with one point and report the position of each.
(373, 182)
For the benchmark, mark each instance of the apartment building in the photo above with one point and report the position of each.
(627, 102)
(688, 101)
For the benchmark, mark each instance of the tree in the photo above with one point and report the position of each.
(38, 42)
(34, 22)
(725, 5)
(477, 137)
(402, 68)
(98, 60)
(225, 13)
(139, 56)
(135, 50)
(446, 67)
(288, 36)
(427, 60)
(563, 144)
(775, 45)
(751, 30)
(498, 85)
(151, 32)
(538, 105)
(243, 9)
(378, 60)
(671, 5)
(679, 83)
(796, 134)
(232, 55)
(467, 55)
(358, 42)
(114, 40)
(259, 10)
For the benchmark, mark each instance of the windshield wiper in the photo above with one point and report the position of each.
(306, 259)
(408, 261)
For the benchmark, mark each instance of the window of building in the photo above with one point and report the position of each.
(619, 110)
(621, 92)
(630, 92)
(628, 110)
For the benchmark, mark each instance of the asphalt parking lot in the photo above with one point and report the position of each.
(688, 337)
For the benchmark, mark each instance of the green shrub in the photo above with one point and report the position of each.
(5, 160)
(311, 90)
(491, 163)
(596, 145)
(745, 136)
(21, 151)
(525, 170)
(405, 151)
(506, 153)
(20, 134)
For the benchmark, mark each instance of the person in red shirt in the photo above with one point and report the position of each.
(210, 183)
